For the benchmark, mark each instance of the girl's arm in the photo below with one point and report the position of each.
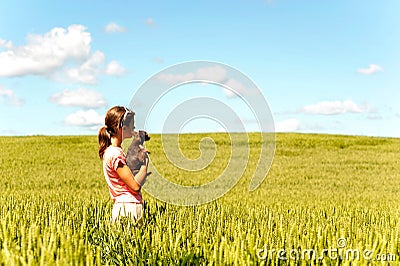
(134, 183)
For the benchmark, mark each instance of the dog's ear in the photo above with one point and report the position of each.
(146, 137)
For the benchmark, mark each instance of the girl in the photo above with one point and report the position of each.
(123, 186)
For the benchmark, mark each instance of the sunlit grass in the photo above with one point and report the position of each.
(55, 207)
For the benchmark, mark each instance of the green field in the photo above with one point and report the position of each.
(329, 200)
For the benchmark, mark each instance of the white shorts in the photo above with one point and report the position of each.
(128, 209)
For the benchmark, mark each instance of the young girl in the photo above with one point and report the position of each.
(123, 186)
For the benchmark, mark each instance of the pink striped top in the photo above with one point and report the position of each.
(113, 158)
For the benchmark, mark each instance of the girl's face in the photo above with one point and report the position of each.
(127, 130)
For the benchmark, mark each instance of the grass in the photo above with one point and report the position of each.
(321, 189)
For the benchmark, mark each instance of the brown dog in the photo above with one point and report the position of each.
(137, 154)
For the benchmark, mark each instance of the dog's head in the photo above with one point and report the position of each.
(143, 136)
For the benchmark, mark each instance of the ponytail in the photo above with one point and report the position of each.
(113, 120)
(104, 141)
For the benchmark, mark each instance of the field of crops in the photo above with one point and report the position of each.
(329, 200)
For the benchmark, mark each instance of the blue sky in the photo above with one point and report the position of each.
(323, 66)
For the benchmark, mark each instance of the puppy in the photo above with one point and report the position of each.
(137, 154)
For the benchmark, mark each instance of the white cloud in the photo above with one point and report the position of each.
(158, 60)
(88, 71)
(80, 97)
(370, 70)
(150, 22)
(115, 69)
(90, 119)
(9, 97)
(176, 78)
(335, 107)
(5, 44)
(61, 54)
(235, 88)
(45, 53)
(114, 27)
(229, 93)
(287, 125)
(215, 74)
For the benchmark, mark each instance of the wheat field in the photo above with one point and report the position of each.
(327, 200)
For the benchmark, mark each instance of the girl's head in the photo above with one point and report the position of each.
(118, 120)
